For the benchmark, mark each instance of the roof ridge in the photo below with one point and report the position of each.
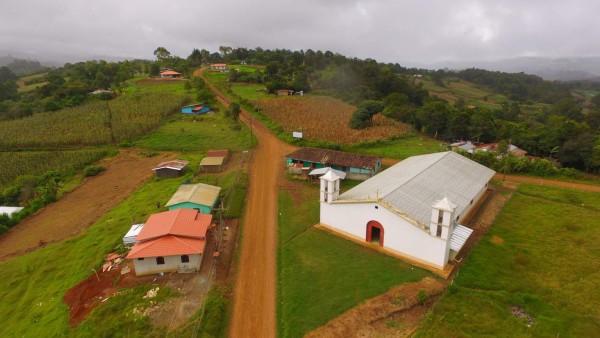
(418, 174)
(184, 243)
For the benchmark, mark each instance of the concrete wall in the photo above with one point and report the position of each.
(203, 209)
(148, 266)
(399, 234)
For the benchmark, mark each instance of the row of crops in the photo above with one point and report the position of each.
(105, 122)
(15, 164)
(322, 118)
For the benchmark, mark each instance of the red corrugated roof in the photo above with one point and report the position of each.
(219, 65)
(170, 72)
(180, 222)
(196, 108)
(167, 246)
(217, 153)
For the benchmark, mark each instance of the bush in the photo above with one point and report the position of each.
(422, 296)
(93, 170)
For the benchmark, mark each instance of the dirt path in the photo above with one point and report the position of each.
(254, 300)
(543, 181)
(93, 198)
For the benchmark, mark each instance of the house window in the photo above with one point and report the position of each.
(440, 217)
(185, 259)
(160, 260)
(376, 207)
(140, 259)
(438, 232)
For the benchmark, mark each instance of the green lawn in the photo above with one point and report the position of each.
(320, 275)
(250, 91)
(400, 148)
(541, 254)
(197, 133)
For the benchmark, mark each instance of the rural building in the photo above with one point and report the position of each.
(196, 109)
(284, 92)
(493, 147)
(211, 164)
(170, 74)
(171, 169)
(219, 153)
(219, 66)
(10, 211)
(171, 241)
(201, 197)
(467, 146)
(411, 210)
(356, 166)
(129, 238)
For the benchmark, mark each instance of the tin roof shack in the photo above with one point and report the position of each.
(219, 153)
(171, 241)
(9, 211)
(202, 197)
(171, 169)
(170, 74)
(197, 108)
(356, 166)
(212, 164)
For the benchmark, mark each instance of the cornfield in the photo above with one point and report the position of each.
(103, 122)
(322, 118)
(15, 164)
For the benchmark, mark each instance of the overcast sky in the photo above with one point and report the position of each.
(400, 31)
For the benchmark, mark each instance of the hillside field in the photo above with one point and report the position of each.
(535, 274)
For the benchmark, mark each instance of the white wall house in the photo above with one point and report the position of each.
(412, 209)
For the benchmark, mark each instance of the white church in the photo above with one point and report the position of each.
(412, 210)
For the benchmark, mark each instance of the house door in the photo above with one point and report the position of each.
(375, 232)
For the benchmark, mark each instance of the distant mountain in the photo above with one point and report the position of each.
(564, 69)
(55, 59)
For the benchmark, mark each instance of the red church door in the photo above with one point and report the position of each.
(374, 232)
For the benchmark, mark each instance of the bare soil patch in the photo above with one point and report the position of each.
(497, 240)
(395, 313)
(83, 206)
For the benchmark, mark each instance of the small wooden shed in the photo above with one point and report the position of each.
(212, 164)
(219, 153)
(171, 169)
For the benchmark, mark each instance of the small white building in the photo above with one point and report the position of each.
(9, 211)
(411, 210)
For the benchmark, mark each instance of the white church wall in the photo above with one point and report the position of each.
(399, 234)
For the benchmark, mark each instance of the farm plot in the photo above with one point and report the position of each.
(326, 119)
(15, 164)
(123, 119)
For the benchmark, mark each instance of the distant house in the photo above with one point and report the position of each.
(196, 109)
(170, 74)
(219, 153)
(467, 146)
(284, 92)
(356, 166)
(411, 210)
(201, 197)
(493, 147)
(171, 169)
(102, 92)
(10, 211)
(171, 241)
(212, 164)
(219, 66)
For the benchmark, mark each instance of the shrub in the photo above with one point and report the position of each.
(422, 296)
(93, 170)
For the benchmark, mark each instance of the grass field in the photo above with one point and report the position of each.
(250, 91)
(197, 133)
(541, 255)
(320, 275)
(401, 148)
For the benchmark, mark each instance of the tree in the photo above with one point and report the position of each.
(187, 86)
(162, 54)
(154, 69)
(360, 119)
(6, 74)
(372, 107)
(234, 111)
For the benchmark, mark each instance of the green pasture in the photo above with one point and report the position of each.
(541, 255)
(319, 275)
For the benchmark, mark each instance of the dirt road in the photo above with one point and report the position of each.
(543, 181)
(254, 303)
(93, 198)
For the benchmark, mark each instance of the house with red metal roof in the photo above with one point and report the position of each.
(170, 74)
(219, 66)
(171, 241)
(197, 108)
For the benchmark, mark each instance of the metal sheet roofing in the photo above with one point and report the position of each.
(209, 161)
(217, 153)
(200, 193)
(334, 157)
(9, 210)
(175, 165)
(460, 234)
(415, 184)
(323, 171)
